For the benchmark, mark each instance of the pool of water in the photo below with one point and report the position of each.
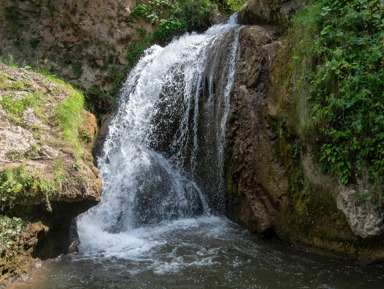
(204, 252)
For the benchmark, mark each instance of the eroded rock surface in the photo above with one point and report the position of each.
(274, 182)
(277, 12)
(47, 177)
(364, 220)
(83, 41)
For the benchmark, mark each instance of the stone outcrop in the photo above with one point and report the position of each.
(274, 184)
(275, 12)
(47, 173)
(364, 220)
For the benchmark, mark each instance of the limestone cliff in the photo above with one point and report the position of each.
(274, 182)
(47, 176)
(83, 41)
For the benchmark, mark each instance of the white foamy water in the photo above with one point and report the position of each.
(149, 157)
(169, 246)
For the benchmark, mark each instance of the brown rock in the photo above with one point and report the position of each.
(273, 182)
(274, 12)
(66, 182)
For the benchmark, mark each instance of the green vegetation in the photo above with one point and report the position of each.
(15, 106)
(10, 61)
(17, 42)
(134, 53)
(33, 42)
(76, 69)
(21, 184)
(344, 43)
(229, 7)
(10, 231)
(141, 31)
(69, 117)
(176, 17)
(172, 18)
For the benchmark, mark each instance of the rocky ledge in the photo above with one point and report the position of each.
(47, 176)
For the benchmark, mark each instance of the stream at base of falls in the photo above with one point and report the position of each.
(159, 223)
(204, 252)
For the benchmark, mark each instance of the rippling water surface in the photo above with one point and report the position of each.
(204, 252)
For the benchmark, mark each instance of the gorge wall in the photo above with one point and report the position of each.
(82, 41)
(274, 182)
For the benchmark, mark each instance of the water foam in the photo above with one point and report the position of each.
(149, 157)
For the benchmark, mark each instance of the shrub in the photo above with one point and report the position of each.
(76, 69)
(134, 53)
(176, 17)
(10, 231)
(345, 39)
(20, 184)
(33, 42)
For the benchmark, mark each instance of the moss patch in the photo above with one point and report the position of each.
(18, 238)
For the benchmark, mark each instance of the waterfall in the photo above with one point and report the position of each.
(168, 131)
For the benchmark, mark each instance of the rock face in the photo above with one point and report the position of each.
(364, 220)
(46, 167)
(274, 184)
(276, 12)
(83, 41)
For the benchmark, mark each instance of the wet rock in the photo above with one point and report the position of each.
(274, 183)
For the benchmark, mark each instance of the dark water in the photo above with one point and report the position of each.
(206, 252)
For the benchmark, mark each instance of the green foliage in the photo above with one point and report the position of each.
(76, 69)
(134, 53)
(33, 42)
(20, 184)
(176, 17)
(79, 48)
(69, 117)
(17, 42)
(231, 6)
(228, 7)
(141, 31)
(17, 105)
(95, 90)
(10, 231)
(9, 61)
(346, 41)
(169, 27)
(52, 76)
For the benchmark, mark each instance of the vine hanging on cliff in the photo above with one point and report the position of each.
(346, 39)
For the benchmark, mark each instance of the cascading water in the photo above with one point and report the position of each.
(153, 227)
(151, 154)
